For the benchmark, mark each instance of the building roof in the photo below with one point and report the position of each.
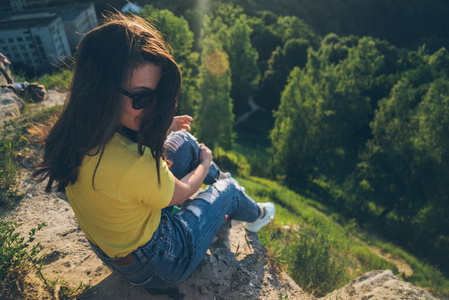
(27, 20)
(36, 15)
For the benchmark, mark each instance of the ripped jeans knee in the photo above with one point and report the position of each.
(177, 138)
(183, 150)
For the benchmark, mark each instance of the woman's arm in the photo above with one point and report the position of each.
(189, 184)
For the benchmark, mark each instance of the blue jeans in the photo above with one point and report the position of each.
(181, 240)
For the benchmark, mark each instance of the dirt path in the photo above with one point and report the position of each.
(245, 116)
(401, 264)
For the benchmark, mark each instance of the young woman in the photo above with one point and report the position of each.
(124, 160)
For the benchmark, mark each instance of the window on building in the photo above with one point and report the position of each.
(28, 39)
(20, 39)
(2, 41)
(38, 40)
(5, 48)
(26, 54)
(23, 47)
(14, 48)
(10, 40)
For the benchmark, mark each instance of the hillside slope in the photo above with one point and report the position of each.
(235, 267)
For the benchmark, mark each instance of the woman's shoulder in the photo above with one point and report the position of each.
(119, 152)
(119, 140)
(119, 157)
(126, 151)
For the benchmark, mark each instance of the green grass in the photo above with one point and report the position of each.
(323, 254)
(60, 79)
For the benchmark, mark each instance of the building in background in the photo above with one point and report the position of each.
(36, 40)
(17, 5)
(39, 39)
(133, 8)
(78, 19)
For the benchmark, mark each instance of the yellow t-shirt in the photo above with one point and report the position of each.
(124, 210)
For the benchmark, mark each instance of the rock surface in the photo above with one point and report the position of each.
(10, 105)
(6, 76)
(379, 285)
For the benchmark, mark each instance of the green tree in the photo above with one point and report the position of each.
(264, 39)
(294, 137)
(282, 61)
(177, 33)
(228, 25)
(290, 27)
(405, 167)
(325, 113)
(214, 118)
(243, 61)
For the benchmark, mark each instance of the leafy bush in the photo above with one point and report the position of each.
(17, 258)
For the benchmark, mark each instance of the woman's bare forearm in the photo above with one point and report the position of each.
(189, 184)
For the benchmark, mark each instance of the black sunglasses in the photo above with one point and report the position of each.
(141, 100)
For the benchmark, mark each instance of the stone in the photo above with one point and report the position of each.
(379, 284)
(6, 76)
(10, 105)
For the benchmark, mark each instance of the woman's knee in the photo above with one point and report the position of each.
(228, 186)
(178, 138)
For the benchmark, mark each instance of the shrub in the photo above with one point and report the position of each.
(317, 268)
(9, 169)
(17, 258)
(312, 259)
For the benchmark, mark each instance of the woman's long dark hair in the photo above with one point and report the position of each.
(104, 58)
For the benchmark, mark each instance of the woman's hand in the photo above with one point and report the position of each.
(205, 155)
(180, 123)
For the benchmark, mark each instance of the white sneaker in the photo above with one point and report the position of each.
(255, 226)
